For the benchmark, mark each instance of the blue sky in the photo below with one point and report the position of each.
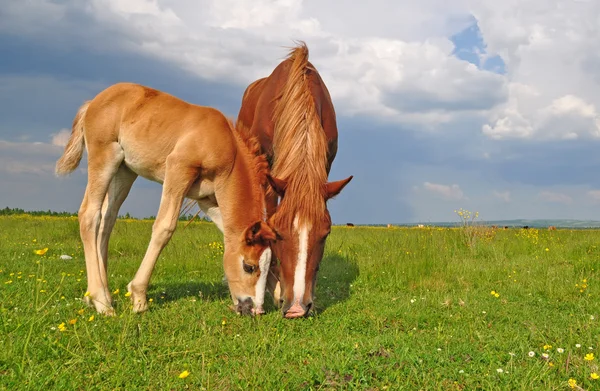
(440, 106)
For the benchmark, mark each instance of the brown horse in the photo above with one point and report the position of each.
(293, 117)
(194, 152)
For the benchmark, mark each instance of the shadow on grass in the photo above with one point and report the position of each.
(174, 291)
(336, 274)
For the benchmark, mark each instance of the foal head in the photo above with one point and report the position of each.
(246, 266)
(304, 223)
(247, 253)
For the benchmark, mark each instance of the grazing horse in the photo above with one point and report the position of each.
(194, 152)
(293, 117)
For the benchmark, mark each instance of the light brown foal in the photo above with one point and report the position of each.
(195, 152)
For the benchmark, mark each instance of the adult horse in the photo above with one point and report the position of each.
(194, 152)
(293, 117)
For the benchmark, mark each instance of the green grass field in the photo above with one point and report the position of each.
(397, 309)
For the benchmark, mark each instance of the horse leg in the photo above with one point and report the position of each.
(102, 165)
(273, 284)
(210, 207)
(178, 180)
(117, 192)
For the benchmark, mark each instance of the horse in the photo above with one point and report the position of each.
(130, 130)
(292, 115)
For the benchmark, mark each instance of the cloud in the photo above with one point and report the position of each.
(502, 195)
(549, 196)
(410, 76)
(449, 192)
(551, 56)
(594, 195)
(61, 138)
(28, 158)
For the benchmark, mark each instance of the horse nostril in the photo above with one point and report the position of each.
(309, 307)
(245, 306)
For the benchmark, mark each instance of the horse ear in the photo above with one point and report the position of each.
(278, 185)
(334, 188)
(260, 232)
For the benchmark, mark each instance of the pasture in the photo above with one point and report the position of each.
(396, 309)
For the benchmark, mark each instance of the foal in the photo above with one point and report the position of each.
(194, 152)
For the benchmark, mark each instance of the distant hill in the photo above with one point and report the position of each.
(537, 223)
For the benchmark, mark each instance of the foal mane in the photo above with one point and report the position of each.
(252, 149)
(299, 144)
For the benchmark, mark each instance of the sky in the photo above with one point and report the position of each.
(488, 106)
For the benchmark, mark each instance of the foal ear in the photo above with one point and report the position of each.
(334, 188)
(278, 185)
(260, 232)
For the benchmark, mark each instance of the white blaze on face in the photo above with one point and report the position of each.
(263, 264)
(300, 273)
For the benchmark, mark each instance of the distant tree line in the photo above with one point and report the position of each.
(18, 211)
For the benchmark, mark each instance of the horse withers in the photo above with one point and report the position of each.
(130, 130)
(291, 114)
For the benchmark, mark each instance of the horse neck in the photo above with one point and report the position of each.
(304, 199)
(241, 197)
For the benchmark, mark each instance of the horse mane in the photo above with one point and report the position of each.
(299, 144)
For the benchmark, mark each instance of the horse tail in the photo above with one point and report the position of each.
(297, 124)
(70, 159)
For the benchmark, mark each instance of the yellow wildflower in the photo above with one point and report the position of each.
(73, 321)
(594, 376)
(42, 251)
(572, 383)
(91, 318)
(62, 327)
(547, 347)
(81, 311)
(184, 374)
(86, 294)
(589, 357)
(127, 294)
(8, 282)
(116, 291)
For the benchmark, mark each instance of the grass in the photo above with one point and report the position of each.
(397, 309)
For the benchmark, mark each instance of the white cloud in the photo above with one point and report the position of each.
(396, 65)
(502, 195)
(61, 138)
(28, 157)
(449, 192)
(551, 55)
(594, 195)
(560, 198)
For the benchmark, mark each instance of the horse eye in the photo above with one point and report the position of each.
(248, 268)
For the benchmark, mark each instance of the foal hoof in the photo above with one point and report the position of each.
(103, 309)
(140, 306)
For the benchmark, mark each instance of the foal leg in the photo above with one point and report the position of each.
(211, 208)
(273, 284)
(117, 192)
(178, 179)
(103, 163)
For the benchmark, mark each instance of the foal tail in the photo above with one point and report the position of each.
(70, 159)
